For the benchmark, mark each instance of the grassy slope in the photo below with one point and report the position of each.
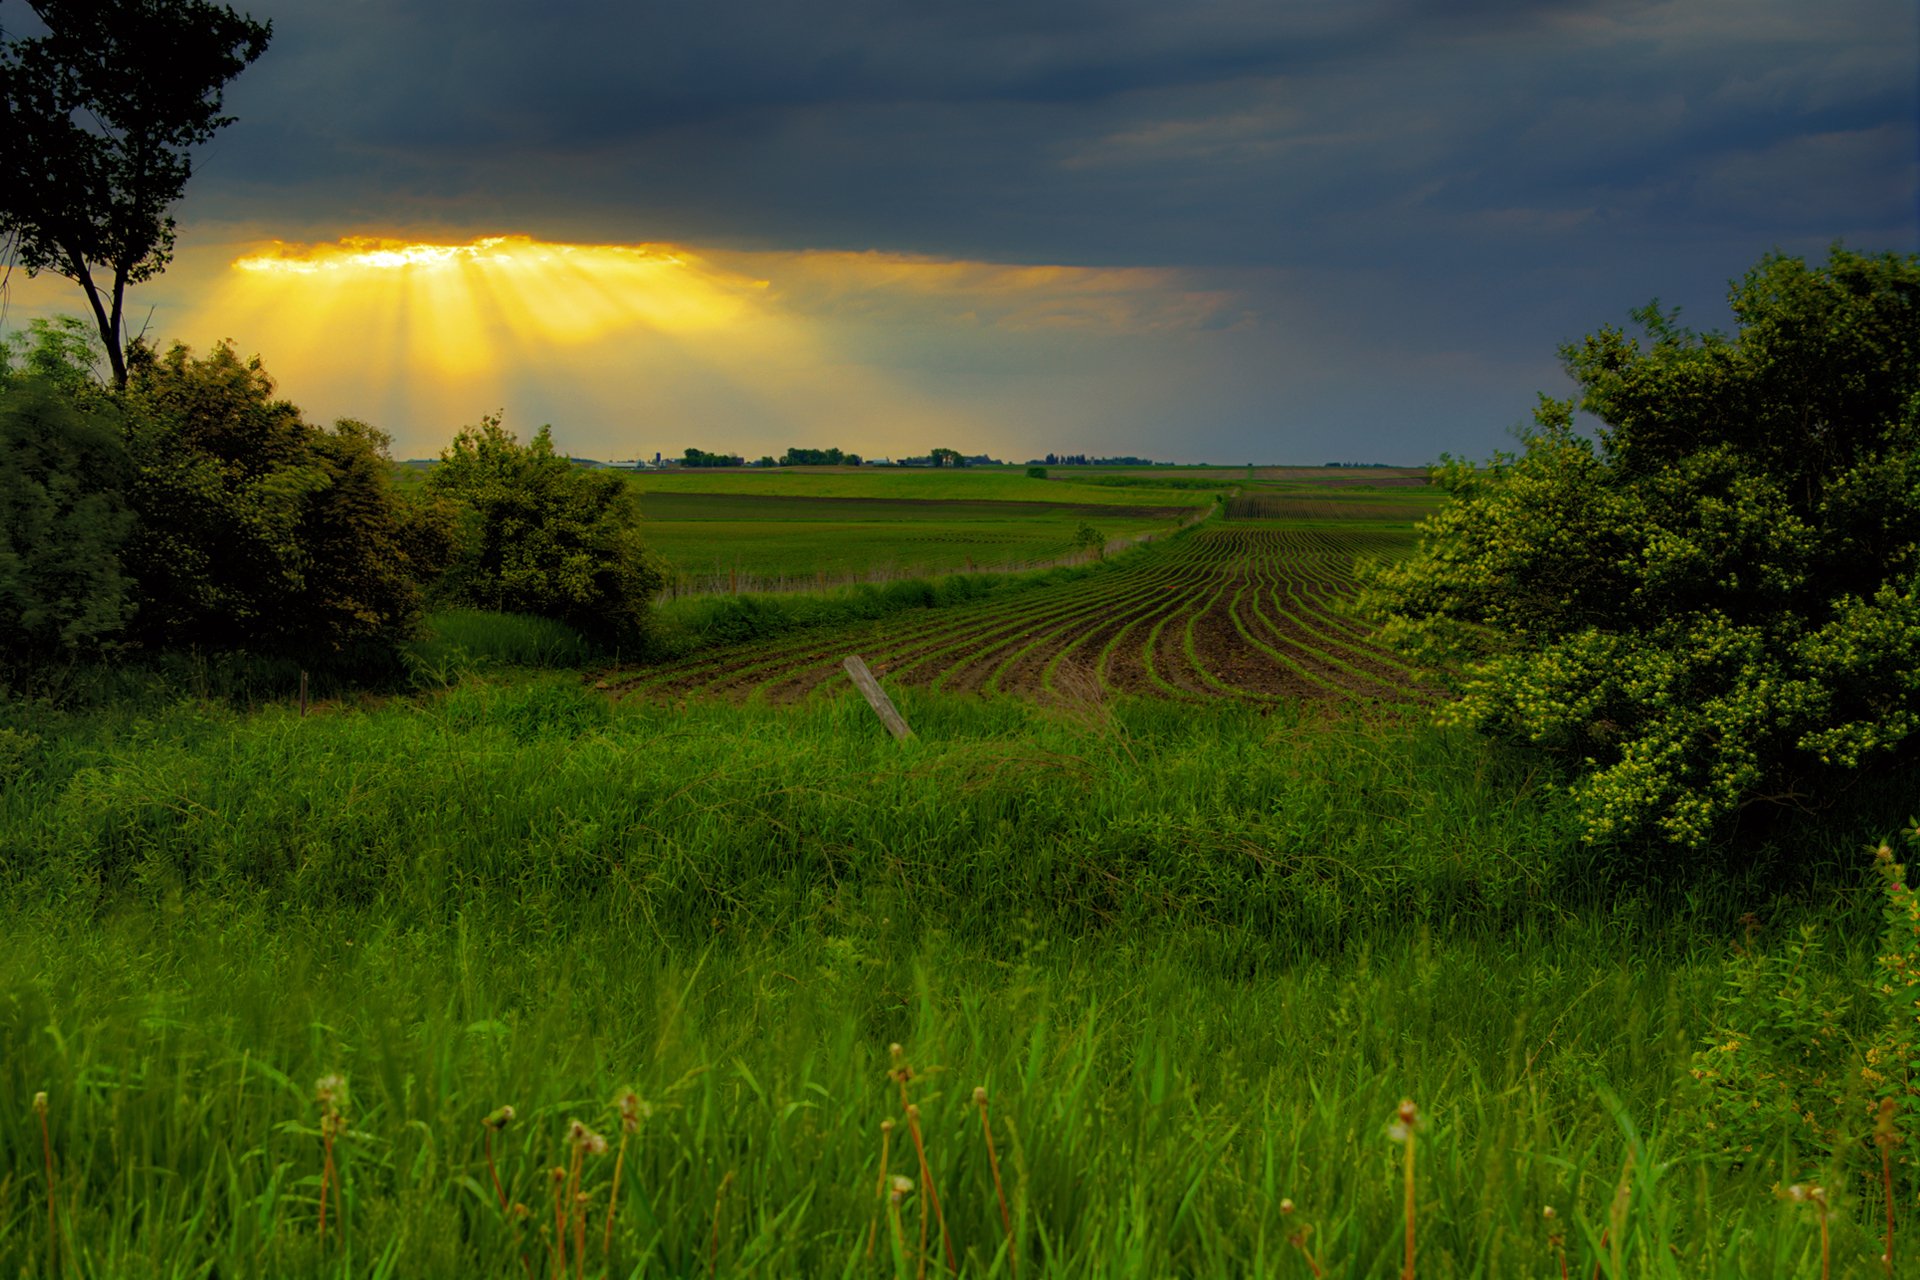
(1196, 958)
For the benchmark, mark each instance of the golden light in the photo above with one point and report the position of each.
(466, 300)
(653, 339)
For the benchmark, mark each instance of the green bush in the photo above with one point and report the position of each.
(540, 536)
(1713, 603)
(258, 530)
(63, 523)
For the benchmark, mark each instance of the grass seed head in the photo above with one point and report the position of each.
(499, 1118)
(979, 1095)
(1286, 1206)
(330, 1090)
(899, 1188)
(632, 1111)
(40, 1103)
(1406, 1121)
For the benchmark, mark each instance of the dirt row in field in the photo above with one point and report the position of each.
(1236, 612)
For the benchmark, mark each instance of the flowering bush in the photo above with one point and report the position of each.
(1716, 600)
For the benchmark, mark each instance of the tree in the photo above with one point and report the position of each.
(97, 119)
(1716, 602)
(544, 537)
(64, 518)
(258, 530)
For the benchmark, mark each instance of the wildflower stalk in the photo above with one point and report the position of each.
(46, 1148)
(497, 1120)
(926, 1175)
(993, 1160)
(1819, 1195)
(580, 1234)
(901, 1074)
(897, 1191)
(558, 1175)
(330, 1092)
(881, 1187)
(1298, 1239)
(1405, 1130)
(629, 1104)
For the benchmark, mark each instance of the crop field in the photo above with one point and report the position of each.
(735, 541)
(991, 484)
(1248, 609)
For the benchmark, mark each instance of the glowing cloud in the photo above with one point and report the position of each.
(659, 338)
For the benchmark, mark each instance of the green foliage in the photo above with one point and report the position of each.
(64, 521)
(97, 119)
(454, 644)
(1036, 473)
(258, 530)
(1089, 539)
(701, 458)
(1718, 601)
(819, 458)
(1801, 1054)
(60, 351)
(543, 537)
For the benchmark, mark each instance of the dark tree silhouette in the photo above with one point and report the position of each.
(97, 118)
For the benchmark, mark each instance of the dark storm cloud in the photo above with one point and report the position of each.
(1224, 133)
(1451, 189)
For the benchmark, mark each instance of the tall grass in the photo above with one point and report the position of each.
(1197, 959)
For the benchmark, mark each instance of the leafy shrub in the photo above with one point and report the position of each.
(541, 536)
(1716, 601)
(258, 530)
(64, 521)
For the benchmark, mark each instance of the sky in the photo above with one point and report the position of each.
(1292, 231)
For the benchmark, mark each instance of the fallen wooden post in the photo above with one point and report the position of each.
(877, 698)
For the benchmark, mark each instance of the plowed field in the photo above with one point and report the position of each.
(1250, 611)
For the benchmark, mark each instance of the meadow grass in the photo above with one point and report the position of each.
(1197, 957)
(454, 641)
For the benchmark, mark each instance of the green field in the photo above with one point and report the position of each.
(804, 529)
(923, 484)
(1198, 906)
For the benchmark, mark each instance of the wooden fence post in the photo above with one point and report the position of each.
(877, 698)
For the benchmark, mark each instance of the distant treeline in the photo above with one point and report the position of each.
(701, 458)
(1083, 460)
